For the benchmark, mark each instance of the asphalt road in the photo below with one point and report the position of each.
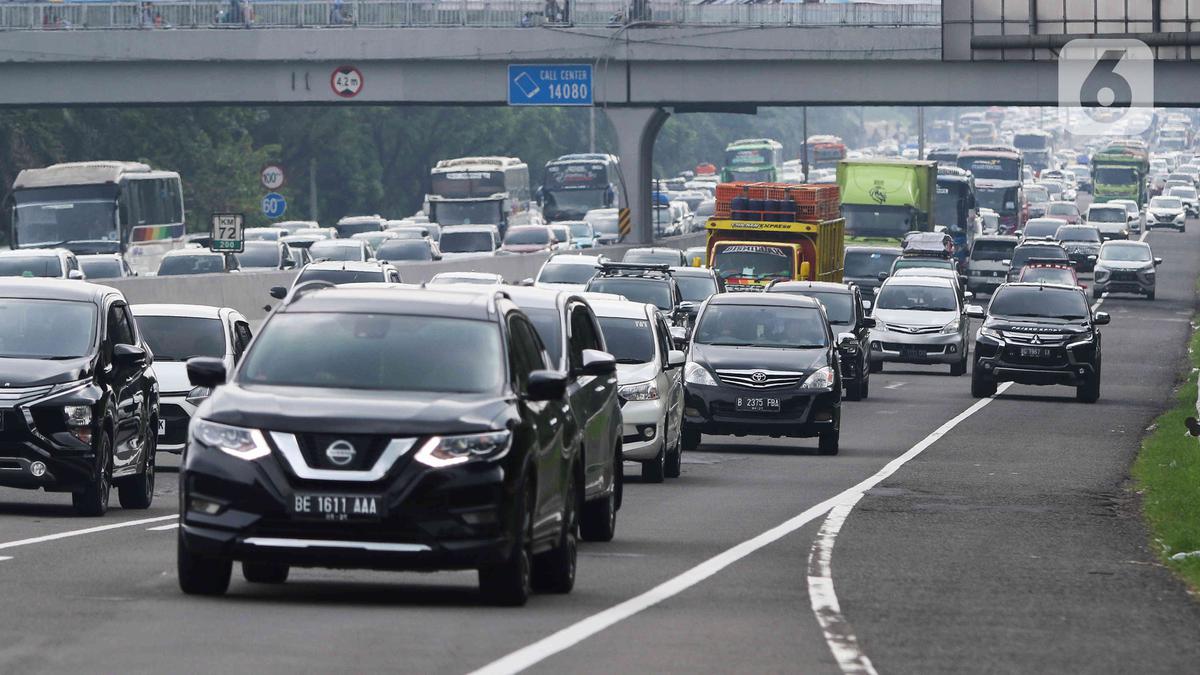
(935, 569)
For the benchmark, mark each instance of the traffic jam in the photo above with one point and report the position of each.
(474, 422)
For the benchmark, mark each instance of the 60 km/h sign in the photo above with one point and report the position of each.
(272, 177)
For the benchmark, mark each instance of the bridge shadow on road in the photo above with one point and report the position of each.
(64, 511)
(351, 594)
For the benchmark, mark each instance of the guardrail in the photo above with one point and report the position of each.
(234, 14)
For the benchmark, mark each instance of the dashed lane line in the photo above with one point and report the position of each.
(87, 530)
(160, 528)
(895, 385)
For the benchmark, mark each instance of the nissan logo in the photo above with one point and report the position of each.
(340, 453)
(758, 377)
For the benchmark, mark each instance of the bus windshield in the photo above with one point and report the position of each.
(991, 168)
(49, 216)
(864, 220)
(465, 184)
(1001, 200)
(571, 204)
(948, 207)
(465, 213)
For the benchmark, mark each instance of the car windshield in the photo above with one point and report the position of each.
(1125, 253)
(628, 340)
(869, 264)
(1078, 234)
(992, 250)
(404, 249)
(1108, 215)
(1063, 209)
(936, 263)
(1042, 302)
(695, 288)
(839, 307)
(347, 230)
(646, 257)
(762, 326)
(581, 230)
(566, 273)
(101, 269)
(1037, 195)
(1182, 192)
(523, 236)
(179, 338)
(653, 291)
(376, 352)
(190, 264)
(46, 329)
(466, 242)
(914, 297)
(338, 277)
(1049, 275)
(259, 254)
(1040, 228)
(548, 326)
(332, 249)
(31, 266)
(1166, 203)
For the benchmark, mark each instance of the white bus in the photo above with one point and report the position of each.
(100, 207)
(479, 191)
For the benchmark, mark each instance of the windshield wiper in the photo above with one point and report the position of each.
(730, 344)
(631, 361)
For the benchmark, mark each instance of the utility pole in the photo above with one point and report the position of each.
(804, 145)
(921, 132)
(592, 129)
(312, 189)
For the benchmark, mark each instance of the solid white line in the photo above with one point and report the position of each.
(160, 528)
(89, 530)
(895, 385)
(572, 635)
(5, 557)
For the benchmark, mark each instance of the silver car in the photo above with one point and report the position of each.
(920, 320)
(1126, 267)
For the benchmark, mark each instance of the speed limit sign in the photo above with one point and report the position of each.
(227, 233)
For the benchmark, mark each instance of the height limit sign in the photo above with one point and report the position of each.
(346, 81)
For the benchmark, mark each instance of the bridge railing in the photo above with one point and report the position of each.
(191, 14)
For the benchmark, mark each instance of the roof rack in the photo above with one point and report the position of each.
(635, 269)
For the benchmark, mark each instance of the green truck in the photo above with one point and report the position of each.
(1119, 172)
(882, 200)
(754, 160)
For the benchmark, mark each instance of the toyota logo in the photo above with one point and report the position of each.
(758, 377)
(340, 452)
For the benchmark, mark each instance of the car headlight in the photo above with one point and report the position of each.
(951, 327)
(242, 443)
(1086, 342)
(1179, 217)
(639, 391)
(992, 333)
(197, 395)
(694, 373)
(443, 451)
(79, 421)
(822, 378)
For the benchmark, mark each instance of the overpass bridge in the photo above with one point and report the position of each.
(671, 57)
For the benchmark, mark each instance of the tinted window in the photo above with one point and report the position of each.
(376, 351)
(466, 242)
(524, 355)
(924, 298)
(936, 263)
(33, 266)
(1166, 203)
(566, 273)
(695, 288)
(119, 330)
(546, 322)
(839, 307)
(101, 269)
(190, 264)
(527, 235)
(1107, 215)
(1023, 253)
(333, 249)
(992, 250)
(1125, 253)
(654, 257)
(259, 254)
(762, 326)
(1050, 275)
(346, 230)
(1078, 234)
(404, 249)
(178, 338)
(1036, 229)
(1063, 209)
(628, 340)
(869, 263)
(46, 329)
(339, 276)
(1041, 302)
(583, 335)
(654, 292)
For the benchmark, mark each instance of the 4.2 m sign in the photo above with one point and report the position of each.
(550, 84)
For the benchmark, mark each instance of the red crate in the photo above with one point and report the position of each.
(727, 191)
(808, 213)
(804, 194)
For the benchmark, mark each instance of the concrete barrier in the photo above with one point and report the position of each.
(249, 292)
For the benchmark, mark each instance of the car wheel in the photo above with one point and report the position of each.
(1089, 392)
(691, 440)
(620, 476)
(510, 583)
(138, 492)
(264, 573)
(93, 499)
(1096, 293)
(982, 386)
(959, 368)
(674, 460)
(1150, 295)
(866, 386)
(599, 519)
(875, 367)
(827, 443)
(854, 388)
(201, 575)
(655, 470)
(554, 570)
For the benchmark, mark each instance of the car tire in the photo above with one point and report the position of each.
(598, 522)
(982, 386)
(620, 489)
(691, 440)
(674, 459)
(875, 367)
(1150, 295)
(1089, 392)
(855, 388)
(866, 386)
(510, 583)
(264, 573)
(960, 368)
(554, 570)
(1096, 293)
(201, 575)
(138, 492)
(92, 500)
(655, 470)
(827, 442)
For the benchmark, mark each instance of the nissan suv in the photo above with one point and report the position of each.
(382, 452)
(1038, 334)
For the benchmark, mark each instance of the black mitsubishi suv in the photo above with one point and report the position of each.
(1038, 334)
(78, 397)
(425, 432)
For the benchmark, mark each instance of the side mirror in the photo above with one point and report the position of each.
(962, 281)
(1007, 263)
(75, 274)
(679, 337)
(129, 356)
(675, 359)
(596, 362)
(1092, 258)
(525, 282)
(968, 295)
(1101, 319)
(847, 342)
(976, 312)
(867, 305)
(278, 292)
(1157, 262)
(882, 276)
(206, 371)
(868, 322)
(543, 385)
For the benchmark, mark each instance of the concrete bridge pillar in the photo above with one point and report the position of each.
(636, 129)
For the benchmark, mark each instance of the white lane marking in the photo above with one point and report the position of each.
(838, 632)
(160, 528)
(5, 557)
(1145, 234)
(88, 530)
(579, 631)
(1096, 305)
(895, 385)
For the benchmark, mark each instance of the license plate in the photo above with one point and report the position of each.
(757, 404)
(337, 507)
(1035, 352)
(162, 427)
(913, 353)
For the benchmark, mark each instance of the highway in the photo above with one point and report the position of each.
(1003, 538)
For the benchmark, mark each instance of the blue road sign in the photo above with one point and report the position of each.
(550, 84)
(274, 205)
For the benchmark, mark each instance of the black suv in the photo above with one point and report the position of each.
(763, 364)
(844, 309)
(1038, 334)
(638, 282)
(1043, 251)
(576, 348)
(79, 405)
(424, 432)
(696, 284)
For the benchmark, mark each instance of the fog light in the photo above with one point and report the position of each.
(875, 346)
(478, 518)
(1083, 371)
(987, 366)
(647, 431)
(824, 416)
(205, 506)
(82, 433)
(38, 469)
(953, 349)
(691, 412)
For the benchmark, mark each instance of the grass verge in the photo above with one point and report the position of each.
(1167, 473)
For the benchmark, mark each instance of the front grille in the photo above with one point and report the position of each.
(12, 396)
(1043, 339)
(1057, 357)
(176, 422)
(795, 408)
(1123, 276)
(913, 349)
(366, 450)
(913, 330)
(760, 379)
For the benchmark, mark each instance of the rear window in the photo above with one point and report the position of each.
(346, 230)
(101, 269)
(179, 338)
(190, 264)
(33, 266)
(259, 254)
(992, 250)
(404, 249)
(1023, 253)
(338, 277)
(652, 291)
(524, 236)
(1078, 234)
(566, 273)
(1108, 214)
(628, 340)
(332, 249)
(466, 242)
(869, 263)
(653, 257)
